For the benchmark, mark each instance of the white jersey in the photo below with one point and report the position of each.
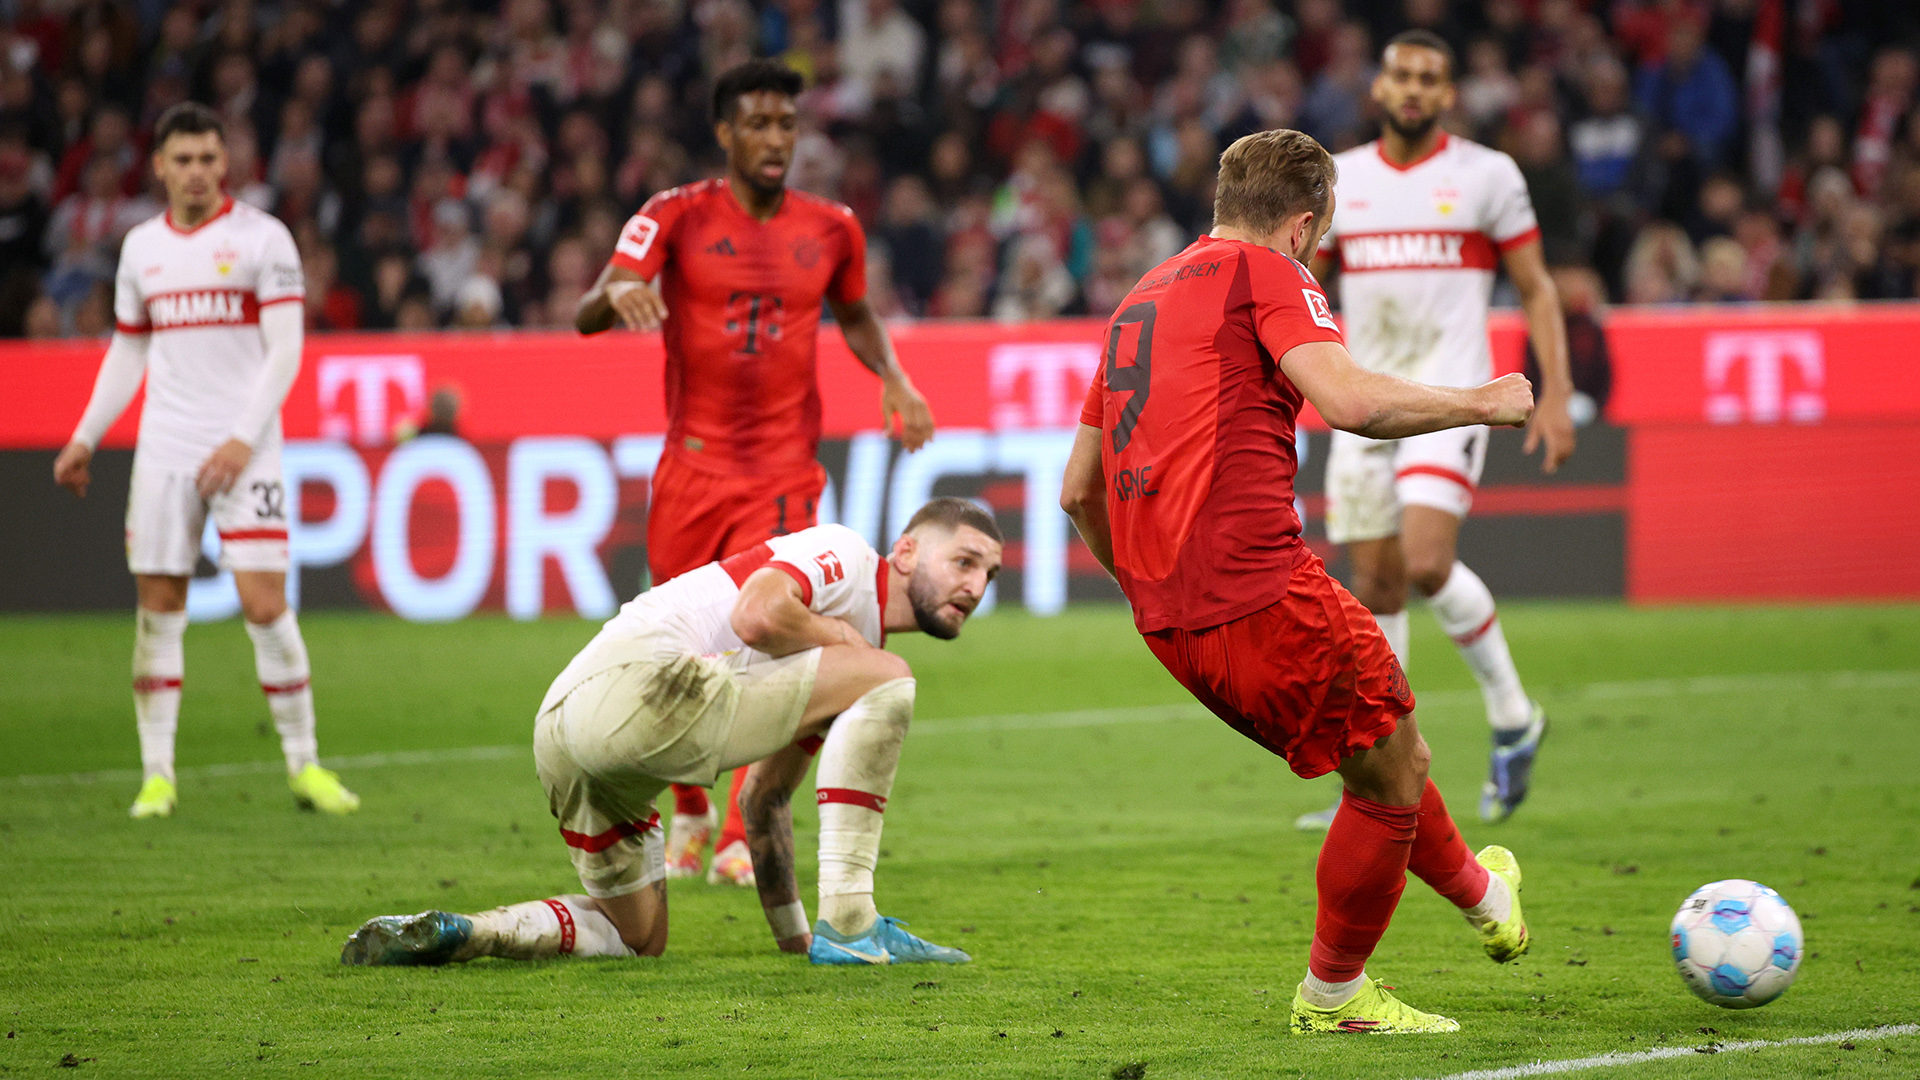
(839, 574)
(198, 292)
(1418, 246)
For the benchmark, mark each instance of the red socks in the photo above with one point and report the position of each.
(1361, 873)
(689, 800)
(1440, 857)
(734, 829)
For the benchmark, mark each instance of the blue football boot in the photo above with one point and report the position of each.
(428, 939)
(888, 942)
(1510, 767)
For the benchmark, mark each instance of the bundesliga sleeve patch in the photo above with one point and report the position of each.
(637, 238)
(1317, 307)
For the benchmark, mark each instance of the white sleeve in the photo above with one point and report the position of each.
(279, 277)
(283, 328)
(1510, 220)
(129, 307)
(120, 374)
(826, 560)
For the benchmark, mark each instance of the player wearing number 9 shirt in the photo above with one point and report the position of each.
(1181, 482)
(733, 272)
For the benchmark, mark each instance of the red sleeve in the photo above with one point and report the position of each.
(642, 247)
(849, 282)
(1289, 308)
(1093, 413)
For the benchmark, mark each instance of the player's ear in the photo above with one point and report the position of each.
(906, 553)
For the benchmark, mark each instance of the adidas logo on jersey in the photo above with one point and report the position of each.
(724, 247)
(203, 307)
(1396, 251)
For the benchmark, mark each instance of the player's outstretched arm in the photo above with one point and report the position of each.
(620, 295)
(121, 371)
(1083, 495)
(1552, 426)
(903, 412)
(770, 616)
(766, 809)
(1382, 406)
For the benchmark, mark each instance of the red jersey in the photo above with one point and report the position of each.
(743, 312)
(1196, 423)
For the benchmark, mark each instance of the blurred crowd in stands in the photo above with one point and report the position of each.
(468, 163)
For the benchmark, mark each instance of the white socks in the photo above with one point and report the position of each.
(1394, 626)
(1322, 994)
(1495, 906)
(280, 658)
(159, 661)
(857, 763)
(1465, 610)
(539, 929)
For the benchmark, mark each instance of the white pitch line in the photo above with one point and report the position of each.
(1665, 1053)
(1135, 714)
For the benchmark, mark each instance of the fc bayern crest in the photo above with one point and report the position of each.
(806, 252)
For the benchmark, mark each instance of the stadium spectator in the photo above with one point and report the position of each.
(370, 120)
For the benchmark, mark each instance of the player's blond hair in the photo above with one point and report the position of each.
(1268, 177)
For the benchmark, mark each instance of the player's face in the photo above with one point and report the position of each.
(192, 168)
(1413, 88)
(950, 577)
(759, 139)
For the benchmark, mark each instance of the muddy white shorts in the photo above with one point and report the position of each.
(613, 741)
(1369, 480)
(166, 517)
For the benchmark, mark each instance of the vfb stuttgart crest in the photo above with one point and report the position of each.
(1446, 199)
(224, 257)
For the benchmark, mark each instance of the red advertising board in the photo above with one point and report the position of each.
(1772, 449)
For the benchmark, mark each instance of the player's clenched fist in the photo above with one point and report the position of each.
(905, 413)
(637, 304)
(1509, 400)
(73, 468)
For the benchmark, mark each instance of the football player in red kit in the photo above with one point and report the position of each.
(733, 272)
(1181, 482)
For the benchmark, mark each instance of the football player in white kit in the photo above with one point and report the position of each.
(762, 658)
(1421, 221)
(207, 305)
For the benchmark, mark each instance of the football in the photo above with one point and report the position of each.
(1737, 944)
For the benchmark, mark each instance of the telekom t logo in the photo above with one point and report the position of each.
(1786, 376)
(370, 376)
(1040, 386)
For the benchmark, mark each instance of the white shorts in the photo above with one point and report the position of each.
(166, 517)
(1369, 480)
(607, 749)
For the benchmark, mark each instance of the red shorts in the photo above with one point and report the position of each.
(696, 517)
(1310, 677)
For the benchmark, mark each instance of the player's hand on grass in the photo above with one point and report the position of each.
(1552, 427)
(1509, 400)
(905, 414)
(222, 468)
(636, 303)
(73, 468)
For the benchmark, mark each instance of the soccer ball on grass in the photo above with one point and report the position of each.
(1737, 944)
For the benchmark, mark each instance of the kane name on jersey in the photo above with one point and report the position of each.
(1197, 421)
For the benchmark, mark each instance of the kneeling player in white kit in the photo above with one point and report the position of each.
(207, 303)
(1421, 220)
(762, 658)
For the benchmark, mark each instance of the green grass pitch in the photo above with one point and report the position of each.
(1120, 864)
